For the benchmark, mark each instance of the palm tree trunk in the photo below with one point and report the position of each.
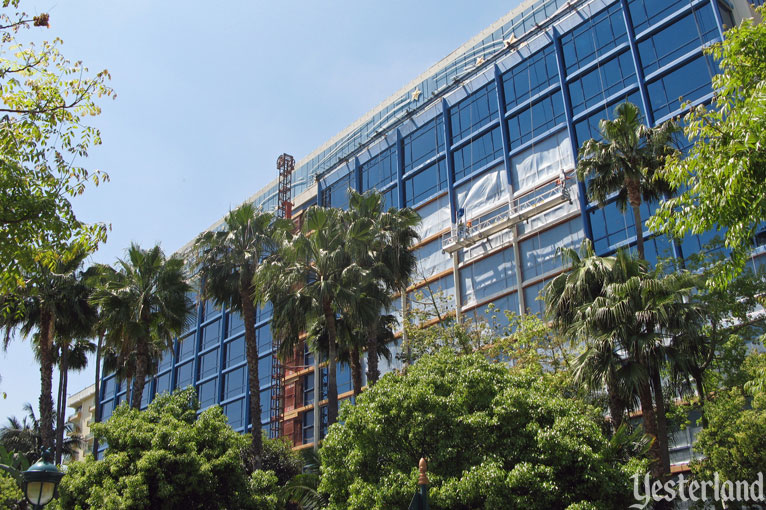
(139, 380)
(47, 330)
(317, 399)
(662, 424)
(61, 405)
(616, 405)
(405, 336)
(650, 426)
(634, 198)
(356, 370)
(701, 391)
(253, 379)
(373, 373)
(332, 380)
(97, 410)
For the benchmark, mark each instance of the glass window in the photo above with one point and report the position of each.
(234, 383)
(531, 295)
(587, 128)
(263, 334)
(480, 152)
(234, 352)
(539, 252)
(165, 360)
(424, 143)
(687, 83)
(541, 117)
(530, 77)
(391, 197)
(265, 406)
(186, 347)
(678, 39)
(163, 383)
(336, 195)
(185, 375)
(488, 276)
(473, 112)
(211, 334)
(265, 311)
(146, 394)
(343, 377)
(207, 394)
(106, 410)
(646, 13)
(308, 389)
(604, 81)
(425, 183)
(611, 226)
(208, 364)
(236, 324)
(235, 411)
(109, 387)
(380, 170)
(308, 425)
(211, 310)
(595, 37)
(509, 303)
(264, 371)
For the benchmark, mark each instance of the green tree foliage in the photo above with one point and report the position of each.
(317, 276)
(733, 444)
(165, 457)
(10, 493)
(229, 258)
(46, 100)
(52, 305)
(493, 438)
(723, 178)
(626, 162)
(144, 306)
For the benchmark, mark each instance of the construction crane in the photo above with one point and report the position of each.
(285, 166)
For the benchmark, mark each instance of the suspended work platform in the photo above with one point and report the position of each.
(520, 209)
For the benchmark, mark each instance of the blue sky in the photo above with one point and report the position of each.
(207, 99)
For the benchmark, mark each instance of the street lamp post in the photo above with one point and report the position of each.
(41, 480)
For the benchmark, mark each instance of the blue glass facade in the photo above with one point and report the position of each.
(496, 124)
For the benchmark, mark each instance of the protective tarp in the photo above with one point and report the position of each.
(540, 252)
(543, 161)
(434, 217)
(483, 194)
(492, 242)
(487, 277)
(431, 260)
(558, 212)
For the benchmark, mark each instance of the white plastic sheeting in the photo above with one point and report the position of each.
(543, 161)
(539, 253)
(487, 277)
(484, 193)
(494, 241)
(435, 217)
(431, 260)
(557, 212)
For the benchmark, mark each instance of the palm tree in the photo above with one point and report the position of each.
(229, 259)
(601, 364)
(71, 355)
(48, 301)
(315, 276)
(25, 436)
(145, 305)
(640, 314)
(626, 163)
(389, 259)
